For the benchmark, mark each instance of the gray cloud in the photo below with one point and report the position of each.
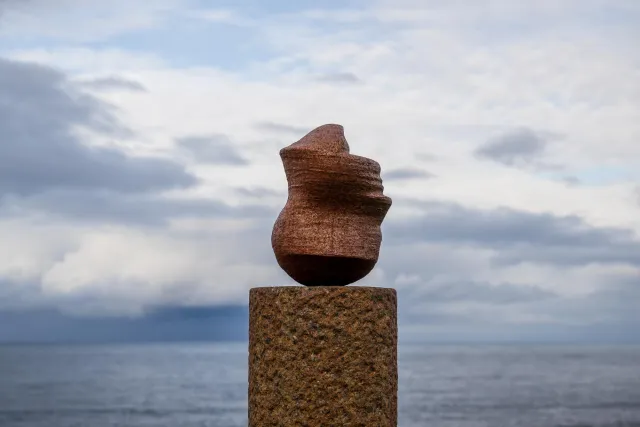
(618, 301)
(4, 4)
(514, 148)
(518, 236)
(16, 295)
(339, 78)
(571, 180)
(433, 257)
(223, 323)
(615, 303)
(426, 157)
(213, 149)
(506, 309)
(39, 108)
(114, 83)
(500, 294)
(259, 192)
(406, 173)
(431, 301)
(433, 298)
(282, 128)
(110, 207)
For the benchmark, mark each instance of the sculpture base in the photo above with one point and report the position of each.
(323, 356)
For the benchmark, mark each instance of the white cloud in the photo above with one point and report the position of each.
(221, 16)
(129, 269)
(31, 246)
(80, 20)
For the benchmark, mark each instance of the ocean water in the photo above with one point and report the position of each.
(199, 385)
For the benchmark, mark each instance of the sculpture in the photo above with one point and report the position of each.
(328, 233)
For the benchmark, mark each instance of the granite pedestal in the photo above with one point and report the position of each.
(323, 356)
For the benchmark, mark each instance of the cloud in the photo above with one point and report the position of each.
(104, 207)
(222, 16)
(571, 180)
(636, 193)
(407, 173)
(5, 4)
(122, 270)
(455, 301)
(339, 78)
(426, 157)
(260, 192)
(458, 302)
(212, 149)
(41, 149)
(282, 128)
(163, 324)
(88, 63)
(517, 147)
(519, 236)
(81, 21)
(113, 83)
(483, 293)
(434, 298)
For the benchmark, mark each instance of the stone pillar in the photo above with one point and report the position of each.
(323, 356)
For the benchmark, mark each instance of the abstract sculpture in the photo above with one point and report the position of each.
(328, 233)
(325, 354)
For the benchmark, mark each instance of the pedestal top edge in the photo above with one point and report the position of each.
(318, 288)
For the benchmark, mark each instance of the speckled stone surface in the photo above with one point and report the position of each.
(323, 356)
(328, 233)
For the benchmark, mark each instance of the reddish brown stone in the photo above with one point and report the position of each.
(328, 233)
(323, 356)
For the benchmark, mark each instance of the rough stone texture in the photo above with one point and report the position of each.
(323, 356)
(328, 233)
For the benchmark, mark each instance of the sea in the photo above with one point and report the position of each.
(205, 385)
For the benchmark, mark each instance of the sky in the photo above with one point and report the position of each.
(139, 166)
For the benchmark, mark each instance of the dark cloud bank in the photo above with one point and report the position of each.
(39, 109)
(518, 236)
(46, 168)
(512, 237)
(226, 323)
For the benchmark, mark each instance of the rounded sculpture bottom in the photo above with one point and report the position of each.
(318, 270)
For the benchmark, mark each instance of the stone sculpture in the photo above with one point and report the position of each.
(325, 354)
(328, 233)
